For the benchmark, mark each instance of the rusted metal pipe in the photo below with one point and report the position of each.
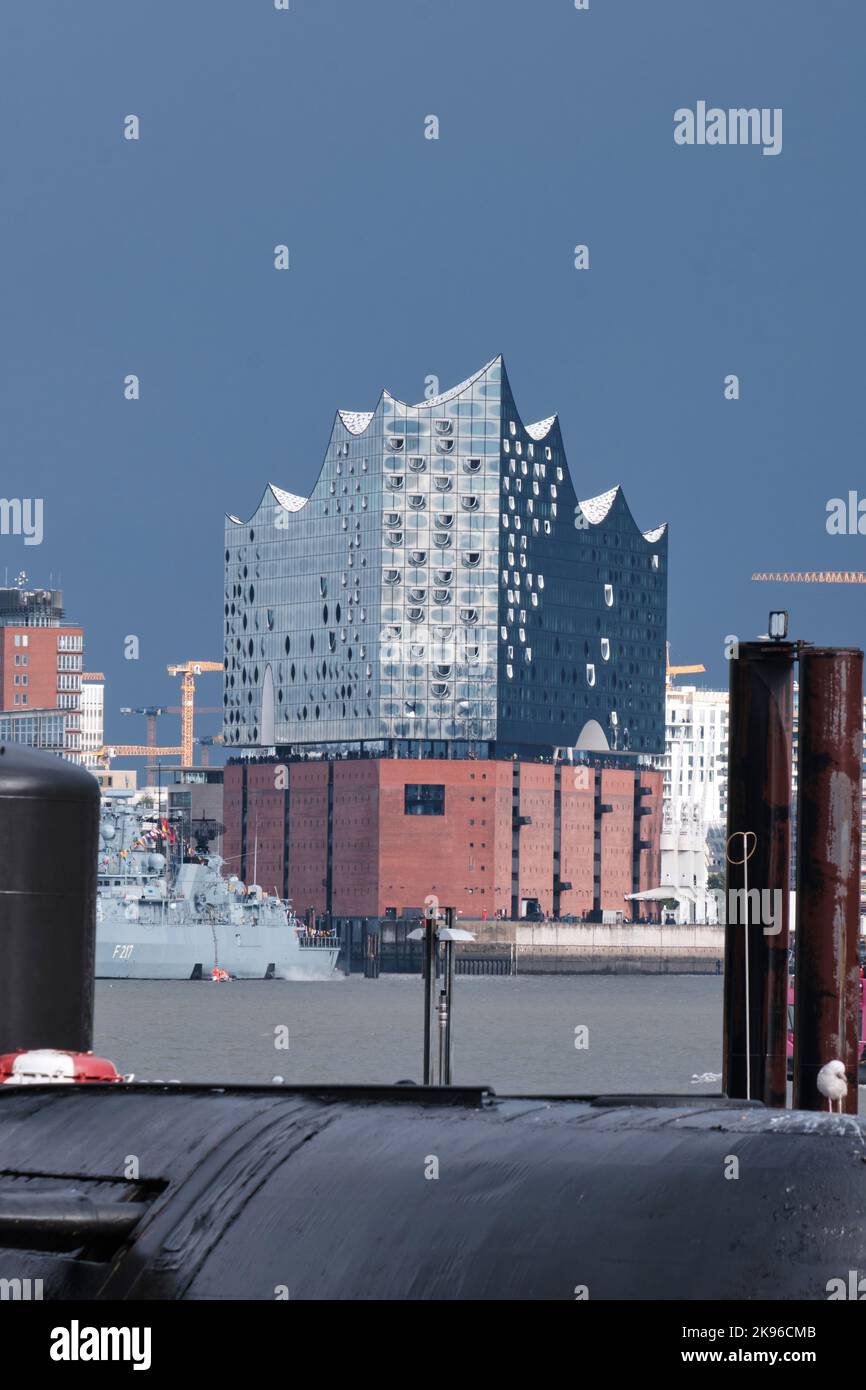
(827, 982)
(760, 738)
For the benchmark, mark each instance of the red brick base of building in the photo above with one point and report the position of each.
(371, 836)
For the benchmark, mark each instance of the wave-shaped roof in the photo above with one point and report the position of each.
(540, 428)
(595, 509)
(356, 421)
(290, 500)
(455, 390)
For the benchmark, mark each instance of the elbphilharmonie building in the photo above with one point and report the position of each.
(444, 593)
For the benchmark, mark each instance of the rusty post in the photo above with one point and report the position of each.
(760, 737)
(827, 982)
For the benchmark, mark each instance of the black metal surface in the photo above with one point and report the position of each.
(325, 1193)
(67, 1216)
(827, 981)
(759, 805)
(49, 821)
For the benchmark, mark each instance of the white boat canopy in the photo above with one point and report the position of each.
(670, 890)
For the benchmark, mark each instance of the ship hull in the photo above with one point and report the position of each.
(132, 951)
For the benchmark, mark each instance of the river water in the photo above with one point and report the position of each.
(643, 1033)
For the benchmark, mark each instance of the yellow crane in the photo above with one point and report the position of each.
(671, 671)
(133, 750)
(188, 670)
(813, 577)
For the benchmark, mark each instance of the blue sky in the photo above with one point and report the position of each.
(412, 257)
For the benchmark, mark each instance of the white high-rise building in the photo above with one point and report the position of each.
(696, 751)
(695, 767)
(92, 716)
(696, 781)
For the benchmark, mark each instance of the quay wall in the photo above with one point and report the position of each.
(591, 948)
(514, 947)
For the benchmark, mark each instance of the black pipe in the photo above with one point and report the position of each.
(49, 829)
(827, 980)
(759, 807)
(40, 1216)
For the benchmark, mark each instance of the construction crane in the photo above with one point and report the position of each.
(206, 742)
(200, 709)
(133, 750)
(151, 714)
(813, 577)
(188, 670)
(671, 671)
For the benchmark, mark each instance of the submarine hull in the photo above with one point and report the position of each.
(404, 1193)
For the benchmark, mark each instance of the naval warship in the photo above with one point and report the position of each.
(166, 912)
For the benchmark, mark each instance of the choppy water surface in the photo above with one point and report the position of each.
(645, 1033)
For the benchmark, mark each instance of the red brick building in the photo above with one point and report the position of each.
(40, 667)
(41, 661)
(361, 837)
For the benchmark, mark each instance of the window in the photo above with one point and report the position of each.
(424, 799)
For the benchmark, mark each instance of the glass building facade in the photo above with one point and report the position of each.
(46, 729)
(444, 592)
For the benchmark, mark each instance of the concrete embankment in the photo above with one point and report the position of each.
(590, 948)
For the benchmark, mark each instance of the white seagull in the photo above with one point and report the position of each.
(833, 1084)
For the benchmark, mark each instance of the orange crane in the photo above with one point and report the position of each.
(671, 671)
(188, 670)
(133, 750)
(813, 577)
(151, 714)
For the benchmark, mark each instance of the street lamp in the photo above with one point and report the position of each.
(778, 628)
(438, 927)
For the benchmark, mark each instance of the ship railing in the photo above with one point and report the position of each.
(320, 941)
